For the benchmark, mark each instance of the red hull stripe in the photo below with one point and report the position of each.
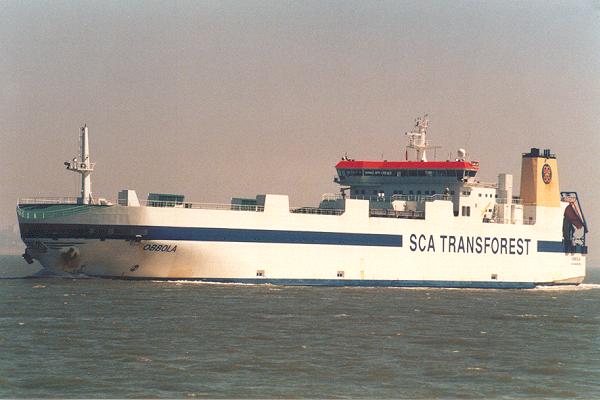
(407, 165)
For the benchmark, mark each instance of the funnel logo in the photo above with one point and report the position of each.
(546, 174)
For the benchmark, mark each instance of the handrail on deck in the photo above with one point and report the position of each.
(48, 200)
(316, 210)
(202, 206)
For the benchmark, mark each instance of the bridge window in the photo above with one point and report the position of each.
(379, 172)
(350, 172)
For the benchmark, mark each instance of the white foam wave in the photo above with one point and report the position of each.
(192, 282)
(581, 286)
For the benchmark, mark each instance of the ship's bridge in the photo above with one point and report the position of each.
(387, 178)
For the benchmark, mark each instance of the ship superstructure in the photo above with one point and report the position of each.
(394, 223)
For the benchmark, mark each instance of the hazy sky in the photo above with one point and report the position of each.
(216, 99)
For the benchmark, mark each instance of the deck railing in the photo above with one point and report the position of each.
(391, 213)
(52, 211)
(316, 210)
(202, 206)
(48, 200)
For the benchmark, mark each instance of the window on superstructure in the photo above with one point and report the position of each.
(411, 192)
(421, 172)
(369, 172)
(427, 192)
(428, 172)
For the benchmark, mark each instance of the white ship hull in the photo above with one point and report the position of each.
(279, 247)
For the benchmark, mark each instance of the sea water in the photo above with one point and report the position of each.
(110, 338)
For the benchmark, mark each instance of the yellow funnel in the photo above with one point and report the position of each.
(539, 179)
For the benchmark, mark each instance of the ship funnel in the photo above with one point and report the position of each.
(539, 179)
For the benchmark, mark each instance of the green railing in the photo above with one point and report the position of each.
(51, 211)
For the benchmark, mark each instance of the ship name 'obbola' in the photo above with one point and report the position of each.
(410, 223)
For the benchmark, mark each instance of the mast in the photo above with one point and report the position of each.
(417, 138)
(83, 166)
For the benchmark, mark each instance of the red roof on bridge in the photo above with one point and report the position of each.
(474, 165)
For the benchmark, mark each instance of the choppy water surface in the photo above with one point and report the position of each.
(105, 338)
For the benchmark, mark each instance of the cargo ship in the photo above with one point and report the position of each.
(409, 223)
